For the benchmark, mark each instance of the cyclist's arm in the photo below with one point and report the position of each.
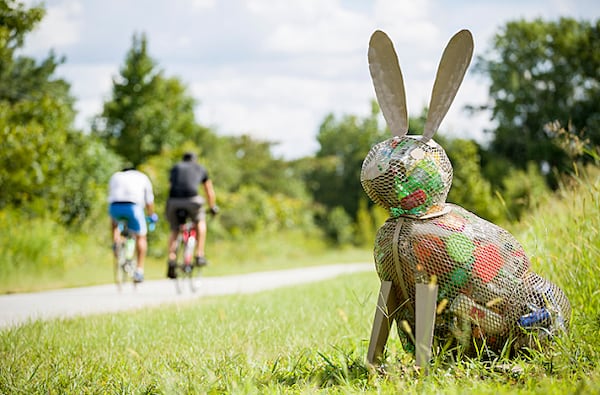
(210, 193)
(149, 197)
(150, 208)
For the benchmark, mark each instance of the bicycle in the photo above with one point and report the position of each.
(184, 260)
(125, 261)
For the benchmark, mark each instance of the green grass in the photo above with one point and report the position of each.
(313, 338)
(56, 258)
(225, 344)
(303, 339)
(563, 241)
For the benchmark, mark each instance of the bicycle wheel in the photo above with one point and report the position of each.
(192, 276)
(186, 272)
(189, 268)
(128, 270)
(119, 262)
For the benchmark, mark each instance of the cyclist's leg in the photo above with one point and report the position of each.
(137, 224)
(115, 234)
(116, 211)
(196, 210)
(172, 244)
(171, 261)
(141, 244)
(201, 232)
(171, 213)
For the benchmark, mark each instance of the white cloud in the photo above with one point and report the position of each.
(60, 27)
(408, 22)
(202, 4)
(276, 68)
(91, 94)
(277, 108)
(316, 27)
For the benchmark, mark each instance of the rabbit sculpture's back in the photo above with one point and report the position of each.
(483, 272)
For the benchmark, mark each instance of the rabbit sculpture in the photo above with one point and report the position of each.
(483, 274)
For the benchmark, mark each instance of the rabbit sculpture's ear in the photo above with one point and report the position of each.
(451, 70)
(388, 82)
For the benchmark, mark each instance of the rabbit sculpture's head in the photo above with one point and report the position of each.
(407, 176)
(411, 175)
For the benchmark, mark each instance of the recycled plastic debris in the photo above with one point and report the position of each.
(483, 273)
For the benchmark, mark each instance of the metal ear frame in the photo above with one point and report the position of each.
(450, 74)
(389, 83)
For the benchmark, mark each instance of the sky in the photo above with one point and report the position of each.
(275, 69)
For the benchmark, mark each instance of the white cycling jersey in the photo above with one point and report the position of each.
(130, 186)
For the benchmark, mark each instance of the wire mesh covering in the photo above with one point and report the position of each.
(407, 176)
(483, 272)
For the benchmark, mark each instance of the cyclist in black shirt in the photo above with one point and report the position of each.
(185, 179)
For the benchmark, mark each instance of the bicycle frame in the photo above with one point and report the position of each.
(185, 252)
(187, 239)
(125, 261)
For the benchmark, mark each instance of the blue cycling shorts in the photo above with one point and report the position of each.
(132, 213)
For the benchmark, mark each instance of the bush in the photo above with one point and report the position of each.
(26, 245)
(469, 187)
(523, 190)
(338, 226)
(252, 210)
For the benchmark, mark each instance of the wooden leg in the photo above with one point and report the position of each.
(384, 316)
(425, 309)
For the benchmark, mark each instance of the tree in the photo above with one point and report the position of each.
(46, 167)
(85, 169)
(147, 112)
(36, 112)
(256, 165)
(344, 144)
(542, 72)
(469, 188)
(30, 162)
(523, 190)
(21, 78)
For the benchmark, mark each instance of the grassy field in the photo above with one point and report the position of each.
(47, 257)
(304, 339)
(313, 338)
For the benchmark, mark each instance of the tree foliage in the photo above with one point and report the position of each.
(147, 112)
(523, 190)
(22, 78)
(470, 189)
(542, 72)
(30, 162)
(544, 76)
(46, 167)
(344, 144)
(257, 192)
(35, 112)
(254, 163)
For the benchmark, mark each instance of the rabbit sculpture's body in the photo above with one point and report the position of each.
(483, 273)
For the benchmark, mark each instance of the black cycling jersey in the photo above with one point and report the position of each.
(185, 179)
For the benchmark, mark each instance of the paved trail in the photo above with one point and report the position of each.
(19, 308)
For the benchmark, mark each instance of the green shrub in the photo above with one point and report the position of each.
(523, 190)
(338, 226)
(470, 189)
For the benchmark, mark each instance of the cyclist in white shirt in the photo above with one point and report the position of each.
(130, 192)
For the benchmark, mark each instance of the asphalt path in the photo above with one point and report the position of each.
(16, 309)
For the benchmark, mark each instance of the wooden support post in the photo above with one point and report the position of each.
(425, 309)
(387, 304)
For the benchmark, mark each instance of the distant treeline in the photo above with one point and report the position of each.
(544, 90)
